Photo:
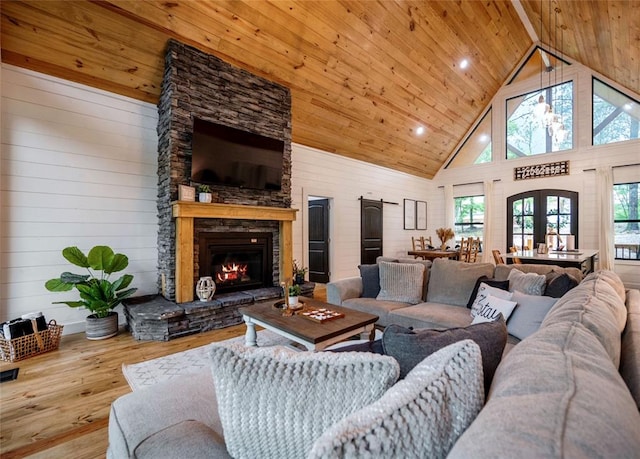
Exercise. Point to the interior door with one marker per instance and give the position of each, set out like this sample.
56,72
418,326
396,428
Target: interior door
370,231
319,240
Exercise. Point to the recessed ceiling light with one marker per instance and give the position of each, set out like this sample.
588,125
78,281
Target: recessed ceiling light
628,106
484,138
464,63
420,130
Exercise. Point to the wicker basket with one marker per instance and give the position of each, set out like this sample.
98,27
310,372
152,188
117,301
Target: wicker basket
30,345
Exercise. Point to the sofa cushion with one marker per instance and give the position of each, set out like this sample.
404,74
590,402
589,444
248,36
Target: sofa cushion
410,347
451,282
630,352
502,271
529,283
420,416
402,282
555,394
137,416
370,275
492,308
482,296
502,285
559,284
274,402
529,313
430,315
597,306
380,308
187,439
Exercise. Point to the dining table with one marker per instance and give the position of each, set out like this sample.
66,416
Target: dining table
430,254
583,259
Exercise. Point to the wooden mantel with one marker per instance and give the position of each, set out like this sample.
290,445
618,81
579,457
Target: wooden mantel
184,212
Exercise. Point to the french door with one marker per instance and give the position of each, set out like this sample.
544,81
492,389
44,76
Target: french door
530,215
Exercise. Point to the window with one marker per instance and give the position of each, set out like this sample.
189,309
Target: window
626,222
526,132
533,213
469,216
615,115
476,149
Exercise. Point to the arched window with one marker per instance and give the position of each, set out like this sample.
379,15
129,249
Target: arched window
530,215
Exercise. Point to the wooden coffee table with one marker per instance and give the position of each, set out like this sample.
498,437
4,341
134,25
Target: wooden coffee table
314,336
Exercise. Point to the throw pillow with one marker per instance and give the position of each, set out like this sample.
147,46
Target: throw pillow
502,285
370,275
484,291
559,284
529,314
492,308
421,416
275,402
451,282
401,282
410,347
529,283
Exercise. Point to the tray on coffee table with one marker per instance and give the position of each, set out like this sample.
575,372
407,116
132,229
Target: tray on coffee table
320,315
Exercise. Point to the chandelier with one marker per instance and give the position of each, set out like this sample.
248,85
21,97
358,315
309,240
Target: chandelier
543,111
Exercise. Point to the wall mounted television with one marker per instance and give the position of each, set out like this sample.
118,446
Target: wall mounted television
223,155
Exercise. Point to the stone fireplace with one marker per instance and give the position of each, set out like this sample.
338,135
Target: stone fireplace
197,85
247,227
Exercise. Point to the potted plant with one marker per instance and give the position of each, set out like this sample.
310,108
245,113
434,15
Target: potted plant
204,193
298,273
444,234
294,292
97,293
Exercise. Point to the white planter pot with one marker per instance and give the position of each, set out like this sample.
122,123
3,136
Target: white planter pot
205,197
293,301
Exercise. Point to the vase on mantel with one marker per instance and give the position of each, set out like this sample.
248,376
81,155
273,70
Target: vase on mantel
205,288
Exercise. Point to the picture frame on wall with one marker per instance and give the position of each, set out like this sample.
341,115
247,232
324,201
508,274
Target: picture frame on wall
409,214
421,215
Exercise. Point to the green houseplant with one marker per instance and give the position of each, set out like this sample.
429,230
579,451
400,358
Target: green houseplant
97,292
294,292
204,193
298,273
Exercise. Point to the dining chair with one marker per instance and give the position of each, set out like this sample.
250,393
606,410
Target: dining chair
497,257
465,247
417,243
474,249
515,259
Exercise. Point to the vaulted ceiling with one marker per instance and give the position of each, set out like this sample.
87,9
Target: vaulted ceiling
363,74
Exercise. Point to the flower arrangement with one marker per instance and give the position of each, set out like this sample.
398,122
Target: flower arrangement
444,234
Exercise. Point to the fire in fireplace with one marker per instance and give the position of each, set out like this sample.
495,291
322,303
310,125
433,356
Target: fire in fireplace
237,261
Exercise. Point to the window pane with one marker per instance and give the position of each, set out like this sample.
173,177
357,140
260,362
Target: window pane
469,216
615,115
565,205
626,210
477,148
530,131
552,205
528,206
517,207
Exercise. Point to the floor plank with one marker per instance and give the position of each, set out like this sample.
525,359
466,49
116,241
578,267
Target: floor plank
59,405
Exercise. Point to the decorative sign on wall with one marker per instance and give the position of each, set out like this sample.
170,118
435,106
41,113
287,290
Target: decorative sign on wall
541,170
409,214
421,215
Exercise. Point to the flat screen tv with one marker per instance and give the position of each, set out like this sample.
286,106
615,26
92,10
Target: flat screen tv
222,155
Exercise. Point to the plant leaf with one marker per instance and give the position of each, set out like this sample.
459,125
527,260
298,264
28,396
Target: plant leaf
100,257
71,278
75,256
123,282
118,263
57,285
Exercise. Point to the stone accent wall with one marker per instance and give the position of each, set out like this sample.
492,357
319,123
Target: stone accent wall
199,85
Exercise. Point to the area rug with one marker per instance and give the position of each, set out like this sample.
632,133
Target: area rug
150,372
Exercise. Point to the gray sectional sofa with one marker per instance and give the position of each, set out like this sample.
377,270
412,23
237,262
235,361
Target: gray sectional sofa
570,389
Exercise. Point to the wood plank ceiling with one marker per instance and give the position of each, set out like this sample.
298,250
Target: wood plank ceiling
363,74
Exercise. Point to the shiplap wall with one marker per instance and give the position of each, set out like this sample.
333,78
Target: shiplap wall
344,181
78,168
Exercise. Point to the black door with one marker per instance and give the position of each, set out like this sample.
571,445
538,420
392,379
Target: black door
319,241
370,231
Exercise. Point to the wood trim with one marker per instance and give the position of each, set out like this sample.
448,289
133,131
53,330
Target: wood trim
185,212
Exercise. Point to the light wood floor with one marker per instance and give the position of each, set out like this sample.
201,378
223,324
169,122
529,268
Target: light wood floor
59,405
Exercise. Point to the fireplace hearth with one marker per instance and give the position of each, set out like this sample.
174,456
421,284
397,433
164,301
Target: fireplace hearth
237,261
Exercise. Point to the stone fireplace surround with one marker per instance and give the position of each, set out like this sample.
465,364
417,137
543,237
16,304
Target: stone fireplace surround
200,85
